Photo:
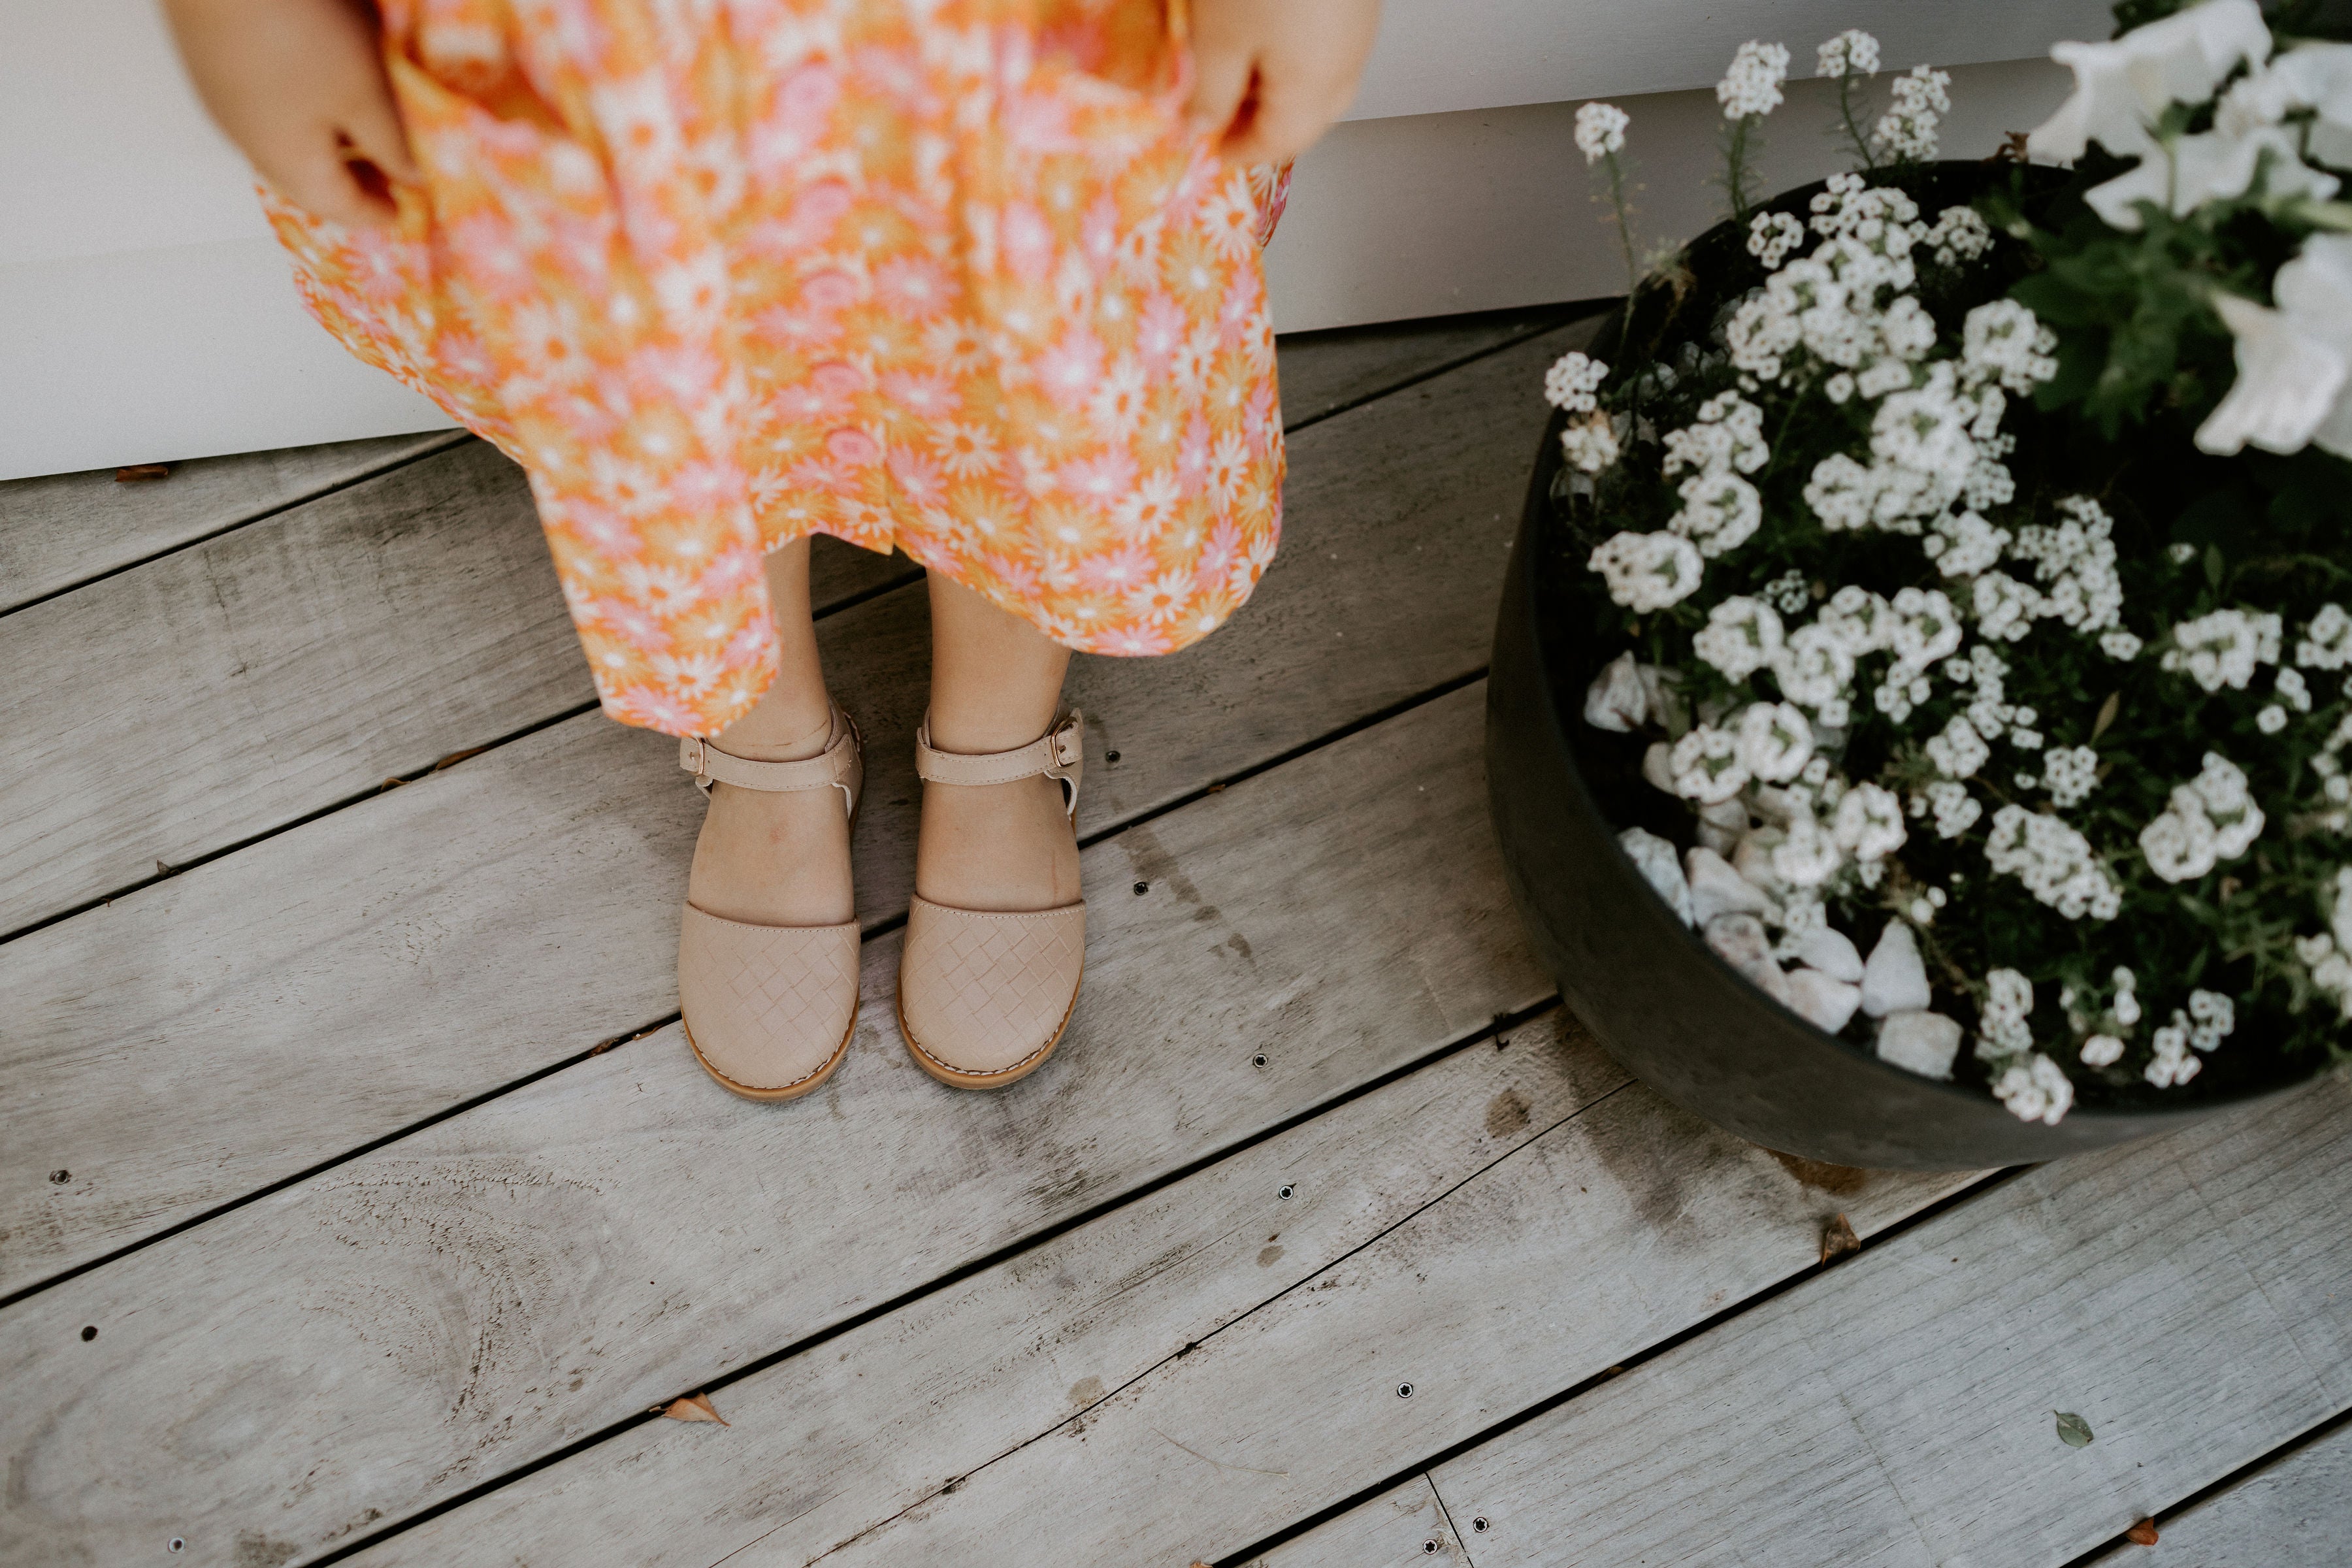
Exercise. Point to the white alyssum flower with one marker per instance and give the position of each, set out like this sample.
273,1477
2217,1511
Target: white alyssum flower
1572,381
1869,823
1719,512
2102,1051
1787,592
2035,1089
1860,621
2006,343
1958,750
2213,1018
1956,810
2126,1002
1648,572
1772,237
1924,627
2173,1065
1960,234
2271,720
2293,689
1729,435
2224,648
2071,773
1775,741
1704,765
2294,363
2339,919
2005,607
1752,85
1813,667
2076,563
2054,861
2326,642
1852,53
1964,545
1590,444
2211,818
1601,131
1909,130
2329,968
2001,1026
2121,645
1741,636
2123,87
1806,856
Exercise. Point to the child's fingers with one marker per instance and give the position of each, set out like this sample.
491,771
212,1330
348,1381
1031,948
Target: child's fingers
1220,80
376,134
318,180
1292,109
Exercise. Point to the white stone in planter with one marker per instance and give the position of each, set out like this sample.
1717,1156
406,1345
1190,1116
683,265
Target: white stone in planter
1718,889
1656,767
1741,939
1894,980
1722,826
1617,699
1833,952
1661,866
1822,1000
1753,859
1919,1042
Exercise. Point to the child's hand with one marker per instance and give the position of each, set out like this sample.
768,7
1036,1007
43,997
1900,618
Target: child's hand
1272,75
299,87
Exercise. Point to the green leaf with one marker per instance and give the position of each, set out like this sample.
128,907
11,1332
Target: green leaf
2072,1430
2213,567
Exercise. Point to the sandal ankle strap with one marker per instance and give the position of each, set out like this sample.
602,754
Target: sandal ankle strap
836,767
1060,754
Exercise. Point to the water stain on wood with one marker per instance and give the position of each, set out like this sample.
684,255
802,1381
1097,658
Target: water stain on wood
1829,1178
1507,1113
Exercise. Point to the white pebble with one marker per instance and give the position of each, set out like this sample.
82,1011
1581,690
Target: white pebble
1821,1000
1662,867
1656,767
1722,826
1716,889
1617,699
1834,954
1894,980
1919,1042
1741,941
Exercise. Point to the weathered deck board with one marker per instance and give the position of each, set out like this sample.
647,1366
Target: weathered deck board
1391,1530
1617,1229
286,667
68,528
2294,1512
338,1354
2191,1299
826,1445
1325,372
481,924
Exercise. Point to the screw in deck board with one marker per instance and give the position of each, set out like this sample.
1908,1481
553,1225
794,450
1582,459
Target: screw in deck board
1479,1524
88,1332
1405,1391
1142,889
60,1177
1258,1060
1285,1192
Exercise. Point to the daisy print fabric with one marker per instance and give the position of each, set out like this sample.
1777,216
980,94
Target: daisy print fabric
952,276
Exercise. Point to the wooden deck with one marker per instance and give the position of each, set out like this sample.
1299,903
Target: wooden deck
358,1201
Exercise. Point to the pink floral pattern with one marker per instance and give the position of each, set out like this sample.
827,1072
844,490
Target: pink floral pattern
955,278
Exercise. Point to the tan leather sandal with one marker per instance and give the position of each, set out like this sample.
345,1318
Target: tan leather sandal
769,1009
983,996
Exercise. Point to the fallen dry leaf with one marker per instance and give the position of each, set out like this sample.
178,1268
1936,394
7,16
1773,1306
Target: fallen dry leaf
695,1407
2142,1534
1838,1238
2107,712
131,473
454,758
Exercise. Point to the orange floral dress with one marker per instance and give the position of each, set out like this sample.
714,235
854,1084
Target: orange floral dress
952,276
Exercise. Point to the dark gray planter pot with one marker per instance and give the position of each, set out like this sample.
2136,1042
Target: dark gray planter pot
1679,1017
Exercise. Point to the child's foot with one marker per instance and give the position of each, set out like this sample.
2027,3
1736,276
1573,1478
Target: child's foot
775,858
1003,847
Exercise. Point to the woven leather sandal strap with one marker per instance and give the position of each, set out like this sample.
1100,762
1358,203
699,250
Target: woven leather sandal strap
1059,753
836,767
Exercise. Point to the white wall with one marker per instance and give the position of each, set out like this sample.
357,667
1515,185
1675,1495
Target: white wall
146,315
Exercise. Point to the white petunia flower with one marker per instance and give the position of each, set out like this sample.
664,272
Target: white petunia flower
1601,131
2184,175
2294,363
1572,381
1648,572
1852,53
2035,1089
1719,512
2123,87
1704,765
2326,643
1752,85
1869,823
2224,648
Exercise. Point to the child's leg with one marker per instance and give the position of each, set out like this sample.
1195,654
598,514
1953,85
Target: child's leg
996,683
768,858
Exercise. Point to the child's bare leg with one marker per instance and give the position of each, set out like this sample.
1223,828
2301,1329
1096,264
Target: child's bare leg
996,683
768,858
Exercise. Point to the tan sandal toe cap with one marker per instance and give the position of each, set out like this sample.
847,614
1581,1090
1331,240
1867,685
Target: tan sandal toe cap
984,995
768,1009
